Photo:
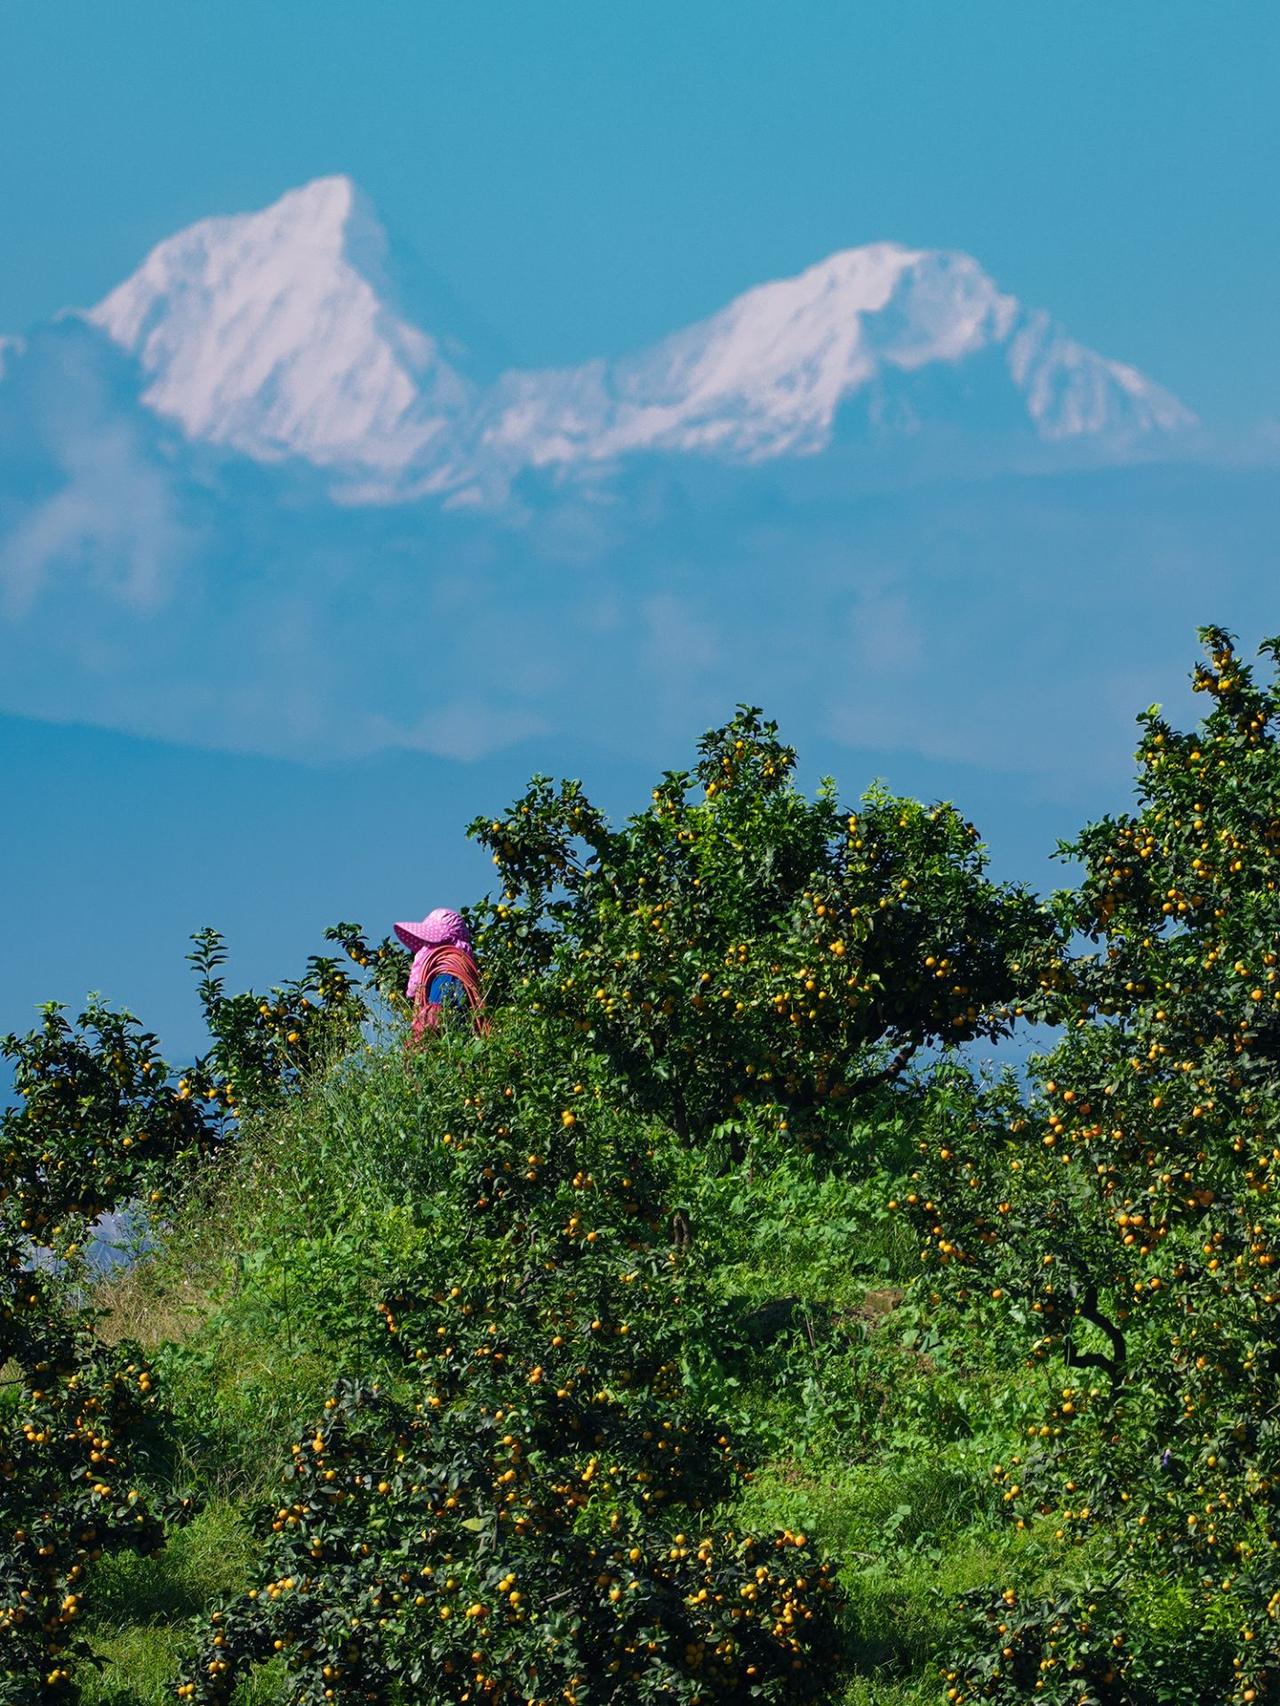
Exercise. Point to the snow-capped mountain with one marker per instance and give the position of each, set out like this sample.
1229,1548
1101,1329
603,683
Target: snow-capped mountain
280,335
770,374
274,494
276,333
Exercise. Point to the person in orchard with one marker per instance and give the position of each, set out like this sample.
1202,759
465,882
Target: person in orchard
444,977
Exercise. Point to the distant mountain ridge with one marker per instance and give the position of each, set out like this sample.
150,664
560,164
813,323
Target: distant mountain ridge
280,335
276,494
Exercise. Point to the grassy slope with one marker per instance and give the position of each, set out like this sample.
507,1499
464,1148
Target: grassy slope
872,1432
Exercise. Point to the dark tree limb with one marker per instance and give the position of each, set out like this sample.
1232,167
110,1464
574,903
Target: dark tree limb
1087,1308
896,1067
680,1113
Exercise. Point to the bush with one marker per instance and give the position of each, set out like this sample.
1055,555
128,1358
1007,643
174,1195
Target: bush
507,1516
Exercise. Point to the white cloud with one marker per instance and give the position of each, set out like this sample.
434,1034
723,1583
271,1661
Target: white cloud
114,517
464,728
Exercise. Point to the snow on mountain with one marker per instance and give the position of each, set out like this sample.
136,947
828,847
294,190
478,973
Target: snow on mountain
762,378
276,334
769,375
1071,392
272,333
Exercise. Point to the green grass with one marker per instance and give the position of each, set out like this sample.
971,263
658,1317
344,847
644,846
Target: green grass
142,1607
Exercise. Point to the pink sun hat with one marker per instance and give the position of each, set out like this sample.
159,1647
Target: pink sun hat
438,927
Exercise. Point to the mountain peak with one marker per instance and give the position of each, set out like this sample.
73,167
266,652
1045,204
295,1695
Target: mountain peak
327,200
328,217
890,339
276,333
282,333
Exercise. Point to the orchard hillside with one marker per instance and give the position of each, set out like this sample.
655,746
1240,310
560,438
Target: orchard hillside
712,1329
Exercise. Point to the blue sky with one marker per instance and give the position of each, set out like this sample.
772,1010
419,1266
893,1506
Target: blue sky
130,845
588,176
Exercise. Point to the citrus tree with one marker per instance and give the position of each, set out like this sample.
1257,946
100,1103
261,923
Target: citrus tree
739,942
102,1125
1127,1217
264,1046
96,1124
520,1509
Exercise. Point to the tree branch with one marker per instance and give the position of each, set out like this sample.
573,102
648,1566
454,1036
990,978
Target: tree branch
1113,1366
896,1067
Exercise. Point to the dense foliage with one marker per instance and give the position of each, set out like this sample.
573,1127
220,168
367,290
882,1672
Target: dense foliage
93,1129
101,1125
1127,1216
710,1331
504,1517
739,942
